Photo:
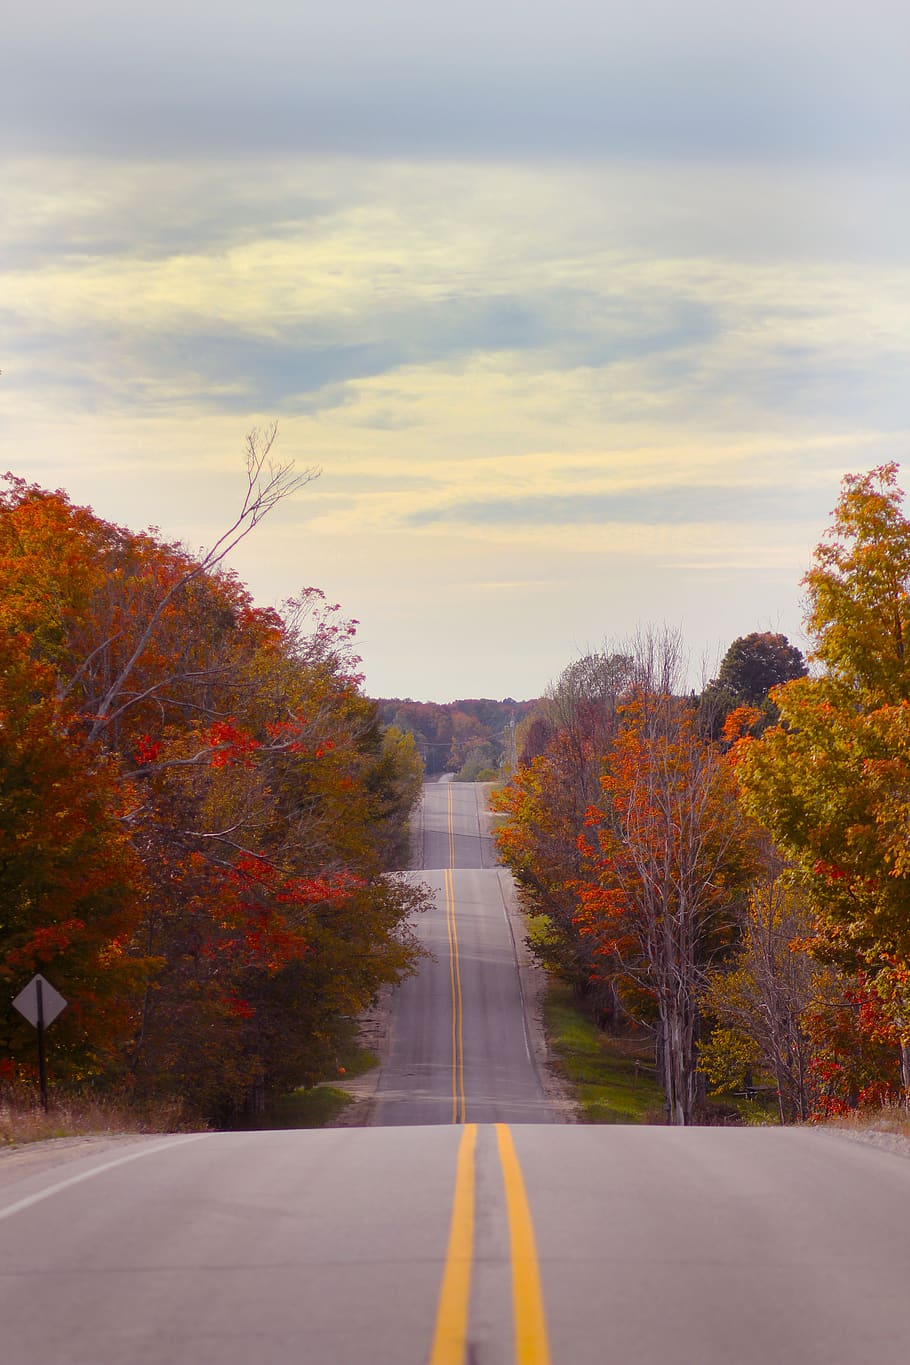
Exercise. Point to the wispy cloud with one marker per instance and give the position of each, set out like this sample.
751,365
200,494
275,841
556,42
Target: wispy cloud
674,505
313,317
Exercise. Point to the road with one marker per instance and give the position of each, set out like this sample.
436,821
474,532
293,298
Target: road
475,1238
654,1245
460,1042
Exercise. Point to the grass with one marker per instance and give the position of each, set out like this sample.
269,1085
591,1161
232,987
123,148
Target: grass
610,1077
892,1118
307,1108
613,1077
762,1112
355,1059
316,1105
23,1120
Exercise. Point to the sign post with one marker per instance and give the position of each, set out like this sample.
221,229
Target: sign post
40,1004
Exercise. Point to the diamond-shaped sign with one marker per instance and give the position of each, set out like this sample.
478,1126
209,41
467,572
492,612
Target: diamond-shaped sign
52,1002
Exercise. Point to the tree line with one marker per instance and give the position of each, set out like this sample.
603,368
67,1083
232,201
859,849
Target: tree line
729,869
200,812
473,738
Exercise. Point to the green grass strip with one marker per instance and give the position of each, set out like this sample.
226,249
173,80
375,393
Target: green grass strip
612,1078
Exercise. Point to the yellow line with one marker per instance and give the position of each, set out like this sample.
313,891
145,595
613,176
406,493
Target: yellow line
458,1096
450,930
462,1117
531,1346
451,1334
451,831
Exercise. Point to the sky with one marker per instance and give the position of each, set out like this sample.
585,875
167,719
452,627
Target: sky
582,310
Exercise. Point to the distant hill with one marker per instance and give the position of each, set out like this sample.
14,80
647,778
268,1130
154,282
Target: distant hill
466,737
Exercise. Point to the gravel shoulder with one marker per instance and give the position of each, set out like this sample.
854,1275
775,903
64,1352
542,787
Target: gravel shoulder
376,1035
20,1161
876,1134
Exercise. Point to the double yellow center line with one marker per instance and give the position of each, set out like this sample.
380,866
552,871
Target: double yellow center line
450,1340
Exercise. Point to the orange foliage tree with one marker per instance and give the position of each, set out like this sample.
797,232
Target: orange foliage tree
669,855
225,777
71,885
545,804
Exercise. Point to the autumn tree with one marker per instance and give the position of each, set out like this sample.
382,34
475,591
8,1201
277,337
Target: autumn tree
755,663
545,804
761,997
283,819
71,885
447,733
243,789
831,782
430,724
532,737
538,840
854,1053
669,854
395,780
473,757
582,707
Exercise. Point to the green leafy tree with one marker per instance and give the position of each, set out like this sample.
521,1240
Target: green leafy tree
395,779
755,663
752,666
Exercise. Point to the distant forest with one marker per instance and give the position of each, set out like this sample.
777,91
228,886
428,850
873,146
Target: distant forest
471,738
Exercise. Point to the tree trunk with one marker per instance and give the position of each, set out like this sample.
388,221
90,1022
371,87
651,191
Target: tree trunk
905,1069
679,1028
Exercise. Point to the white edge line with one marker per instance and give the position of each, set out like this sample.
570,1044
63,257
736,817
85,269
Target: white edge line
96,1170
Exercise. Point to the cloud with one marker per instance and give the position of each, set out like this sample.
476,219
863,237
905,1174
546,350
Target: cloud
674,505
623,389
582,331
403,79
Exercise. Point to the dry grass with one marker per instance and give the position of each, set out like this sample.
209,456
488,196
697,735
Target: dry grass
22,1118
892,1118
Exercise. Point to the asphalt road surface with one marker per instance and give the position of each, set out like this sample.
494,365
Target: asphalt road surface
383,1246
478,1238
460,1045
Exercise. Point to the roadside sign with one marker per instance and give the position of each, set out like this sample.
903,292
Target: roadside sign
40,1004
50,1004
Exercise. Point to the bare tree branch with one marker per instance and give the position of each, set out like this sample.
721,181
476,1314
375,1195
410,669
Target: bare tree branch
267,485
